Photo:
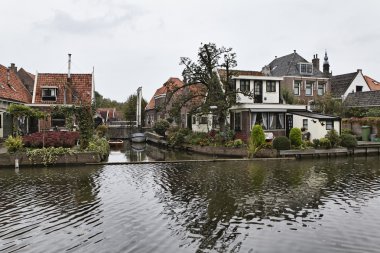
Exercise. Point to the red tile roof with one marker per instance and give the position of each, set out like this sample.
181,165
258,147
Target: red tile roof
80,91
372,83
169,85
16,91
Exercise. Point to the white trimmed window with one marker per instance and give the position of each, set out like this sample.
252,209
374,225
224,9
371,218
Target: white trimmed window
244,85
49,94
271,86
321,89
305,124
309,88
297,87
329,125
306,68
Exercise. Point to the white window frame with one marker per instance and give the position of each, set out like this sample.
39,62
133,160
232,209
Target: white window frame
329,125
245,81
306,126
312,88
308,66
272,86
51,89
299,87
323,88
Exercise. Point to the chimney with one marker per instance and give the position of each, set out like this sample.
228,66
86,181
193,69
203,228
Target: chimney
8,76
315,62
69,67
360,70
13,67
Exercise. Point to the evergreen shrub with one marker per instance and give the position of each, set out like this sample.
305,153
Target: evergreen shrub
348,141
161,126
316,143
333,137
325,143
295,137
281,143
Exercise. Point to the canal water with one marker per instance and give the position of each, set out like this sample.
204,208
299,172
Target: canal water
272,206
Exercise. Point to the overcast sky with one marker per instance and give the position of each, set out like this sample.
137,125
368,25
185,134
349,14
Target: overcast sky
139,43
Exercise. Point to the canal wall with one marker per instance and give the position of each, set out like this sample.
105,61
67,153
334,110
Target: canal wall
8,160
218,151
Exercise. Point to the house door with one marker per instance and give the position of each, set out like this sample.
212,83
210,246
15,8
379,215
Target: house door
258,92
289,124
189,121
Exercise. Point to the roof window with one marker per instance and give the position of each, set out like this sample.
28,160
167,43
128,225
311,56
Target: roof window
306,68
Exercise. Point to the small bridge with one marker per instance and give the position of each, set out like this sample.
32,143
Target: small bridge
122,129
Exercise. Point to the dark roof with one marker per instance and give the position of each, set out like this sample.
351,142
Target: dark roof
363,99
339,84
237,72
314,115
288,66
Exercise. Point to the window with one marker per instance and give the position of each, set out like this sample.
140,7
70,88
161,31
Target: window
297,87
305,123
203,120
359,88
244,85
0,121
276,120
237,122
306,68
193,119
329,125
321,89
309,88
268,120
271,86
49,94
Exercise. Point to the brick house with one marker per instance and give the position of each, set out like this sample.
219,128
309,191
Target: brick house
159,105
52,89
301,78
12,90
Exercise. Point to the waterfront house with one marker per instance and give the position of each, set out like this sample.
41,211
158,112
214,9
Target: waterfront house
342,85
265,107
108,114
299,77
61,89
12,90
167,96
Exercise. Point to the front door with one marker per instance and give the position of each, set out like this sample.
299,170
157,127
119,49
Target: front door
289,124
258,92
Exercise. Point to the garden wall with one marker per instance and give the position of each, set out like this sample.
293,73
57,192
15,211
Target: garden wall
219,151
8,160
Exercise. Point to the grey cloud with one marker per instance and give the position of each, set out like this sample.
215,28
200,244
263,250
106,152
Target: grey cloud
64,22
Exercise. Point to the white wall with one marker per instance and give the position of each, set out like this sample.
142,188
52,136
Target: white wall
2,125
271,97
358,81
268,97
316,130
197,127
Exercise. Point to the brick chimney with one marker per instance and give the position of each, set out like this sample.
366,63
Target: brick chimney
13,67
315,61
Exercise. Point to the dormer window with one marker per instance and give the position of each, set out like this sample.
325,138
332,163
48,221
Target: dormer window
306,68
49,94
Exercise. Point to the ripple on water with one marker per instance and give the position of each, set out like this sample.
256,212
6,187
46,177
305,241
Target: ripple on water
295,207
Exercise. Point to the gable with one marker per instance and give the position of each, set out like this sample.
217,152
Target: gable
15,91
78,90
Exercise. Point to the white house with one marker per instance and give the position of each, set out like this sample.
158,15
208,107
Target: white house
342,85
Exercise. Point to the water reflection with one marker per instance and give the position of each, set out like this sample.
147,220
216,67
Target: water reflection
212,206
273,206
137,152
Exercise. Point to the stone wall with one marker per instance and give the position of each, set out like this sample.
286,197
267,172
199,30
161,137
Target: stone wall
219,151
8,160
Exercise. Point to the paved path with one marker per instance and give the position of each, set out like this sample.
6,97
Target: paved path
2,149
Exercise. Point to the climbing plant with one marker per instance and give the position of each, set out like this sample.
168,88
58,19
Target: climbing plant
18,111
84,116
